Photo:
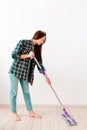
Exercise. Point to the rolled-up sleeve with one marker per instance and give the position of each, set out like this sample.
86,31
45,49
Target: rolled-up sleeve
42,68
16,53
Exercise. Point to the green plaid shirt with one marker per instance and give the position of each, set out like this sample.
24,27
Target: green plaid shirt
23,68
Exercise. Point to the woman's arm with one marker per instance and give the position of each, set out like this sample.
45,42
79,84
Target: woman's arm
30,55
17,52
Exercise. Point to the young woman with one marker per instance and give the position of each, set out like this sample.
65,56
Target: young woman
22,70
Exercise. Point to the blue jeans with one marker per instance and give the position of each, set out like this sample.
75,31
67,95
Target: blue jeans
14,89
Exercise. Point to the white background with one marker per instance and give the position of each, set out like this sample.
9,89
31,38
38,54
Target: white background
64,53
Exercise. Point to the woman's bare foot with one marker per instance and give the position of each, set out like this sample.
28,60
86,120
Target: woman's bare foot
16,117
32,114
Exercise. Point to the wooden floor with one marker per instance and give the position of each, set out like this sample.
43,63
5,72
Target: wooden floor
51,118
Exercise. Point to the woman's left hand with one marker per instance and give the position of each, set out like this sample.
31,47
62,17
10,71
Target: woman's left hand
48,81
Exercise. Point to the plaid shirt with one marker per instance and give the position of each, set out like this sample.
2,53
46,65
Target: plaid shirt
23,68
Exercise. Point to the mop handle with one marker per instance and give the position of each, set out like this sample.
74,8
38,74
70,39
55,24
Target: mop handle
56,96
45,75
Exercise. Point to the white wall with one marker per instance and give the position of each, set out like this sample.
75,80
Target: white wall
64,54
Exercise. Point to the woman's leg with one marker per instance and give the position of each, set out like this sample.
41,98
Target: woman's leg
13,95
27,98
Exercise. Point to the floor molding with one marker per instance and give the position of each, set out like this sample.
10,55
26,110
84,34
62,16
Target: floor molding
47,105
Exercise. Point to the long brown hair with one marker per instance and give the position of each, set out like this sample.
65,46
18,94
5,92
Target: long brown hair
38,48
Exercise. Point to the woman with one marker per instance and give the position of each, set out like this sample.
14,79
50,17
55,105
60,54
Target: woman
22,70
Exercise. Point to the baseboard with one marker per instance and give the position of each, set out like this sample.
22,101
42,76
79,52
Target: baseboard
47,105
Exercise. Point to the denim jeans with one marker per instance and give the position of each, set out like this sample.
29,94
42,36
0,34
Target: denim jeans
14,90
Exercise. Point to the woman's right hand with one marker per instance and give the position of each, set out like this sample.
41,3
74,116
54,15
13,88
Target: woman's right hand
31,54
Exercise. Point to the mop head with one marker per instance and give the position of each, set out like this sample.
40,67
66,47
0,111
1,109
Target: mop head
70,121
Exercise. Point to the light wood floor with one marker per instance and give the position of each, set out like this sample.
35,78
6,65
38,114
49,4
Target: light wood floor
51,118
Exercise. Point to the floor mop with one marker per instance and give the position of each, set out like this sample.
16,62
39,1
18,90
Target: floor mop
66,116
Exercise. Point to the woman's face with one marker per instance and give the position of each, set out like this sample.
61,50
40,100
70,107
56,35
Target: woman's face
41,40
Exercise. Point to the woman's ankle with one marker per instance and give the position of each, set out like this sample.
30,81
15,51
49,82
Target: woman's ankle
33,114
16,116
30,111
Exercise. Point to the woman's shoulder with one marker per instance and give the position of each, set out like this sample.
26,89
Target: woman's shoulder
25,42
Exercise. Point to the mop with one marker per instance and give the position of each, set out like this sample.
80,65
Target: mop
66,116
